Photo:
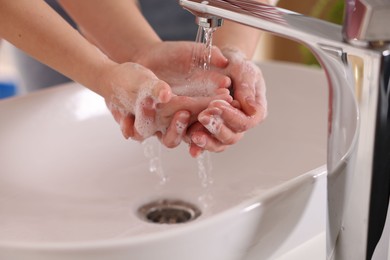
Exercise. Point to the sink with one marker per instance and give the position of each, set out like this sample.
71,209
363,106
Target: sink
72,188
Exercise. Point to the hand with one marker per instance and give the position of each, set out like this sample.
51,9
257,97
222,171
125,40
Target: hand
223,124
144,105
132,94
172,62
181,112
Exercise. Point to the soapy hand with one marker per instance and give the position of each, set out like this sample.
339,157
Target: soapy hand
193,88
181,112
132,93
144,106
173,62
222,123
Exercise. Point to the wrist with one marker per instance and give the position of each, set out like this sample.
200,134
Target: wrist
141,53
98,82
233,52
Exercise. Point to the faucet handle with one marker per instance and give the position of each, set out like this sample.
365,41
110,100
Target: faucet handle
367,21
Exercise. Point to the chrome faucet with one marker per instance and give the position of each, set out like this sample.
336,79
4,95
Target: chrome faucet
356,60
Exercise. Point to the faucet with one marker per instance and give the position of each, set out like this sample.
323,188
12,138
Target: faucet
356,61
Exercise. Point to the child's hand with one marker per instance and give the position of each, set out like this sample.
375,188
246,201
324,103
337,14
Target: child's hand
132,94
223,124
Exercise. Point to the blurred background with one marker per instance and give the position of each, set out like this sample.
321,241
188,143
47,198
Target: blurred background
280,49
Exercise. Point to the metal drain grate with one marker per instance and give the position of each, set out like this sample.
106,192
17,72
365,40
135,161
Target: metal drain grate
169,212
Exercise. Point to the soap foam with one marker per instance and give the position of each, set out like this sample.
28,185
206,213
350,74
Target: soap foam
180,127
215,124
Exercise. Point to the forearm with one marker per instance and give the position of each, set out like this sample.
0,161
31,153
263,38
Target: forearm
36,29
239,36
235,35
116,27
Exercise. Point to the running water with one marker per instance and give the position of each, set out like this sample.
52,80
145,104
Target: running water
201,59
204,169
204,174
201,56
152,151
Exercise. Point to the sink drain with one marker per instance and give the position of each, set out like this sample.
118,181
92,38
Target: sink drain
169,212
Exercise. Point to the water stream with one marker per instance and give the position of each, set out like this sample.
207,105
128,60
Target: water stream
201,59
201,56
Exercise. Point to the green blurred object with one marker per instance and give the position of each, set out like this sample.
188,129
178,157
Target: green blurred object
328,10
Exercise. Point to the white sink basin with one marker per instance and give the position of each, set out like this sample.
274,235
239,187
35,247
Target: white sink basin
71,186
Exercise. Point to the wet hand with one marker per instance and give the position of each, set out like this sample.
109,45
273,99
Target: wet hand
194,87
181,112
144,105
132,94
223,124
173,61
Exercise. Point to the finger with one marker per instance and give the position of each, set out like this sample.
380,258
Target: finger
201,140
176,129
207,142
209,79
246,96
224,135
194,105
222,91
232,117
116,114
217,58
161,92
222,80
126,124
195,150
251,93
146,108
128,129
213,121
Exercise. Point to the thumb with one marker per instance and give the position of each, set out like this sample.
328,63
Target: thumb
162,92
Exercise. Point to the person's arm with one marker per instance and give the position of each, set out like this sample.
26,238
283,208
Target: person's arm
241,37
36,29
116,27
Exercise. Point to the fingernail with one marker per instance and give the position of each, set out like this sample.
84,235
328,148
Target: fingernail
184,116
199,140
204,119
252,105
220,102
180,127
213,124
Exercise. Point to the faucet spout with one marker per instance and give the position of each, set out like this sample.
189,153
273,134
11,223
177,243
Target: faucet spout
356,61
